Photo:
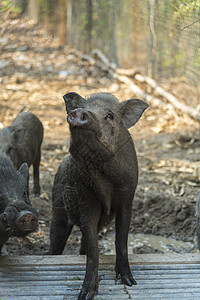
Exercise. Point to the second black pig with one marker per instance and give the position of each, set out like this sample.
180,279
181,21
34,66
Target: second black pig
21,142
17,216
97,181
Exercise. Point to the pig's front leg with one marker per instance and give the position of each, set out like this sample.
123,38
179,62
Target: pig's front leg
36,166
89,224
122,224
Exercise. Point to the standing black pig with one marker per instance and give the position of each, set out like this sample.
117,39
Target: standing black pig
21,142
17,216
97,181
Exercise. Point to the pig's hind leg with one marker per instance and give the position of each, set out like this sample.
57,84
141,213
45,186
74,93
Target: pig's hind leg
59,231
122,223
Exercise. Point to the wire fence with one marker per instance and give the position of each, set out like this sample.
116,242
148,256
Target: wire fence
146,35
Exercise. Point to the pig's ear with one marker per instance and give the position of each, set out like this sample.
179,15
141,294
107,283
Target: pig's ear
18,135
24,171
72,101
131,111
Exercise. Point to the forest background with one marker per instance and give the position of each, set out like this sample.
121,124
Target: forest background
149,35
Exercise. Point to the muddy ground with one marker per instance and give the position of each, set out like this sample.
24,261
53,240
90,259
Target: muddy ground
35,72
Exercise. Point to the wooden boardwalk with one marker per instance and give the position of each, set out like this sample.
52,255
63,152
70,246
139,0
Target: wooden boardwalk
60,277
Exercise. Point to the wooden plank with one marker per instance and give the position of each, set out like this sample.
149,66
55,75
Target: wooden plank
180,296
155,283
105,268
136,259
68,297
35,298
67,276
53,277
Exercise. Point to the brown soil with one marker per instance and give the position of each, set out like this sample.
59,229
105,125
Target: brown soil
35,72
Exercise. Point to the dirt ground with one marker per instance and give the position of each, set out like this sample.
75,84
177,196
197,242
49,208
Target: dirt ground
35,72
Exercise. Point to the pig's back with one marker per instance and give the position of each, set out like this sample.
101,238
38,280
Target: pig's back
33,135
31,123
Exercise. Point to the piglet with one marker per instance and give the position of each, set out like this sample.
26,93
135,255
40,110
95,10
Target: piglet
17,216
97,181
21,142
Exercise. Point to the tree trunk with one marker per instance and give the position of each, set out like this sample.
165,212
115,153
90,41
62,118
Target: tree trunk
113,45
88,43
62,15
153,48
136,30
69,22
34,10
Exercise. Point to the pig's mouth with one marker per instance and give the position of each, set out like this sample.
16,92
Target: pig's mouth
84,128
27,221
84,132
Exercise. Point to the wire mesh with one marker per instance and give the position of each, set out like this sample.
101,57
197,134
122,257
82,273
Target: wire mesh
122,30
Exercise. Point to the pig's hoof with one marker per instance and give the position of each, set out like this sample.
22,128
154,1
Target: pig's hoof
128,280
86,295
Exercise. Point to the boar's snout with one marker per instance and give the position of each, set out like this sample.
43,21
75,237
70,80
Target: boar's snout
77,117
27,221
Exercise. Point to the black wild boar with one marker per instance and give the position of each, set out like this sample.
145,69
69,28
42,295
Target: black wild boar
17,216
97,181
21,142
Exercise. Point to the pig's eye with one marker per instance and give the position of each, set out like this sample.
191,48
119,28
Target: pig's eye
109,115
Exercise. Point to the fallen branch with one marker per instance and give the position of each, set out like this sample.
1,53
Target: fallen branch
136,90
123,76
193,113
127,72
